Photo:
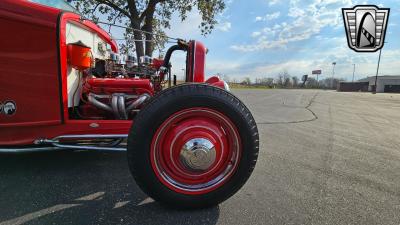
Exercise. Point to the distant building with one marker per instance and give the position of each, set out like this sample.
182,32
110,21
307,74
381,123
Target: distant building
384,84
353,86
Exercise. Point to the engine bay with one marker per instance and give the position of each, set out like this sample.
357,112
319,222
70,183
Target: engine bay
103,84
117,87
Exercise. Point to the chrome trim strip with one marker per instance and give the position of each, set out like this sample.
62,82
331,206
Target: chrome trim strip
57,142
28,149
58,145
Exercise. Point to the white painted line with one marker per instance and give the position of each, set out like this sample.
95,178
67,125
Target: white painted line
144,202
91,196
35,215
120,204
43,212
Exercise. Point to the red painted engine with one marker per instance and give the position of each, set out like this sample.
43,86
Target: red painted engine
117,88
110,86
112,90
113,98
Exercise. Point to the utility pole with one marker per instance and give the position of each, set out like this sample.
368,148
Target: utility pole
354,70
333,74
377,71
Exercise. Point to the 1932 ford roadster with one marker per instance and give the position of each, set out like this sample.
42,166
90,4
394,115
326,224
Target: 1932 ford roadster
62,86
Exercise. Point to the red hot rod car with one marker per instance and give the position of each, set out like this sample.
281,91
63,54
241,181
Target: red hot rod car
63,86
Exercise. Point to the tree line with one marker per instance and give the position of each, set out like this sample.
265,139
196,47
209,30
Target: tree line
285,80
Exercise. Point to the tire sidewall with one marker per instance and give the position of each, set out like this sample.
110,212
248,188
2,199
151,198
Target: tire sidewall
162,107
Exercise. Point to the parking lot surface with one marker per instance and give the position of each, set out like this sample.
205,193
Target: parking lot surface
325,158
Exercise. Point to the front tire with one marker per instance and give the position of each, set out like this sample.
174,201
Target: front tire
193,146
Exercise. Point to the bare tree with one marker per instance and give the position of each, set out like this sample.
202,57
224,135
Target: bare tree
286,82
246,81
312,83
327,83
284,79
280,80
269,82
295,81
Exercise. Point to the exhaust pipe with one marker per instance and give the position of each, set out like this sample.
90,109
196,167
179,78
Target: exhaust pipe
138,102
118,103
114,106
92,99
121,107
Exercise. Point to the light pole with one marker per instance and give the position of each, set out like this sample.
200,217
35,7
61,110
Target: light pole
377,71
354,70
333,73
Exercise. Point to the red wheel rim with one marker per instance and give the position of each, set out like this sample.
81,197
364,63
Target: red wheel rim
195,151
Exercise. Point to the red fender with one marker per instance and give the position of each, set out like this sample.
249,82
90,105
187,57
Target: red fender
218,82
196,61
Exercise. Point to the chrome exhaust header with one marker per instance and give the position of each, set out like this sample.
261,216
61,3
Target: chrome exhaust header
96,142
87,142
118,103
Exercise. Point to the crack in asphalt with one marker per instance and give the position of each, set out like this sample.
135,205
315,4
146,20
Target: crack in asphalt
315,117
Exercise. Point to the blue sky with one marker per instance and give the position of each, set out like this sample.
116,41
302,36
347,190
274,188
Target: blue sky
261,38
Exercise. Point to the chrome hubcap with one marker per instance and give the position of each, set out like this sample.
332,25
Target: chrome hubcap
195,151
198,154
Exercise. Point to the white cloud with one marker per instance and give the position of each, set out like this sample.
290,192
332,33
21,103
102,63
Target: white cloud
339,52
187,29
237,69
224,26
273,2
256,34
302,22
272,16
365,66
268,17
296,12
305,20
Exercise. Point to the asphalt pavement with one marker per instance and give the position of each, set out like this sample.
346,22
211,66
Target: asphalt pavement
325,158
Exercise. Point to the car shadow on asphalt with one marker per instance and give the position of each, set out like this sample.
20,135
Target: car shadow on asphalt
81,188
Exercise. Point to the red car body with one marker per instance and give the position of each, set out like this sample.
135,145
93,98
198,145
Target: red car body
62,86
33,72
